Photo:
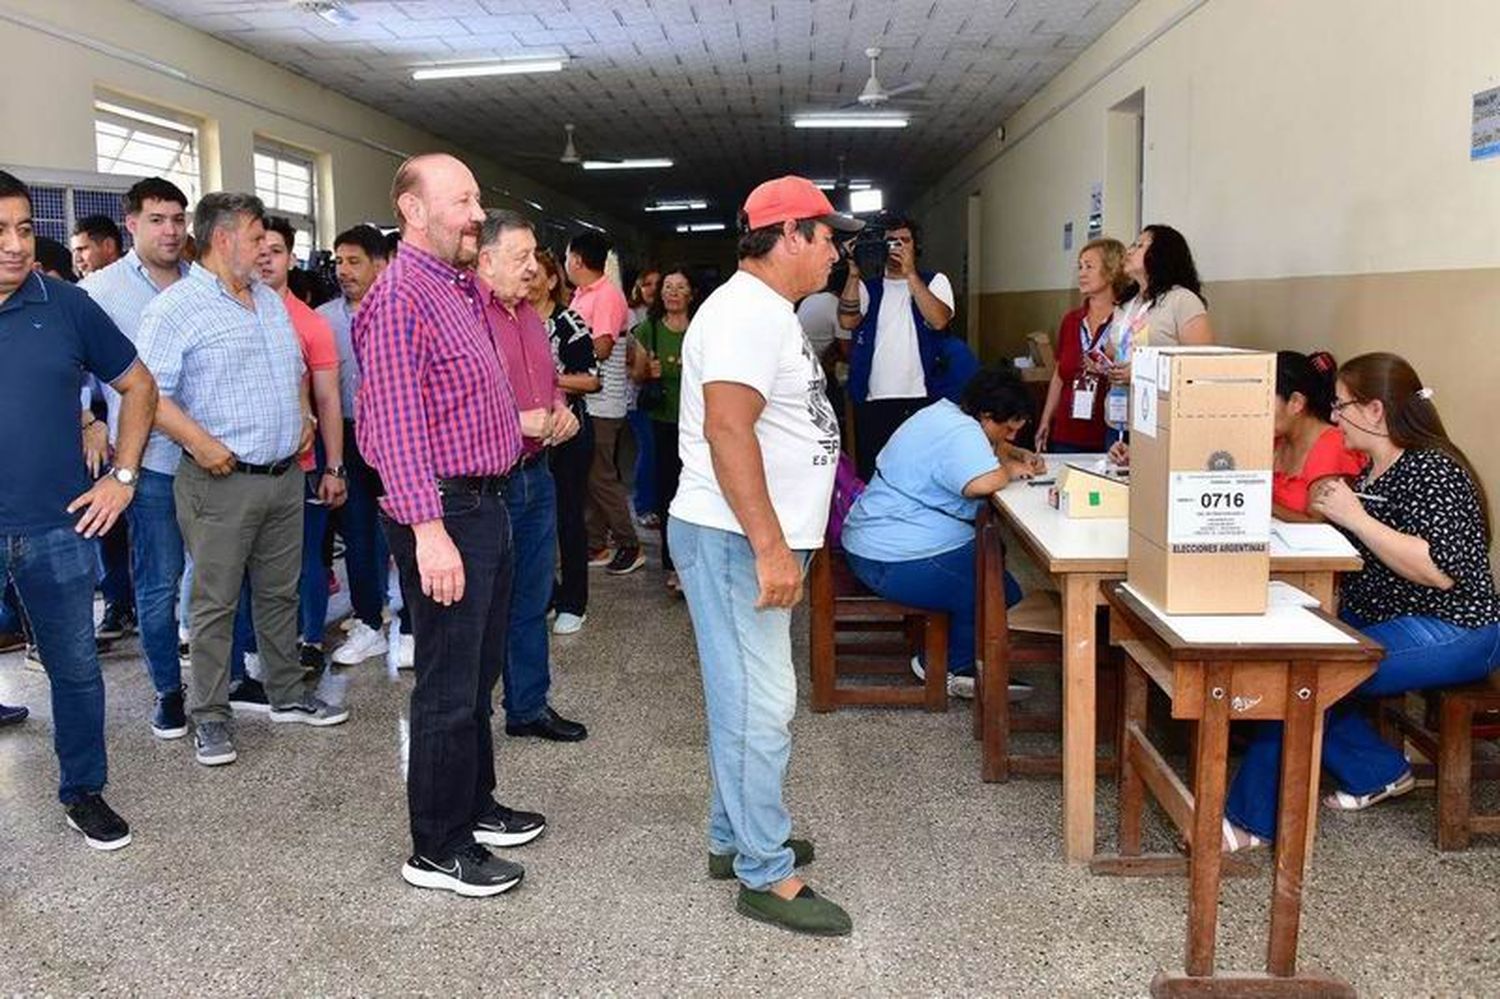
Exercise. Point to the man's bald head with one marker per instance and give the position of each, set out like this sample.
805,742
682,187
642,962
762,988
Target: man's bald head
436,201
409,179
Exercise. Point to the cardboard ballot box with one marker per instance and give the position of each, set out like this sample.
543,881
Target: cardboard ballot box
1080,493
1200,471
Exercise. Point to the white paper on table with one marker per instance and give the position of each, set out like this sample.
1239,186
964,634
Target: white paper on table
1280,625
1286,595
1308,539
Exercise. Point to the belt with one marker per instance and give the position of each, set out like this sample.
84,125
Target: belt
532,460
472,485
274,468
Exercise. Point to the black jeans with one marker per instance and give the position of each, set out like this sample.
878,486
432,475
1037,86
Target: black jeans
460,655
668,472
874,422
570,475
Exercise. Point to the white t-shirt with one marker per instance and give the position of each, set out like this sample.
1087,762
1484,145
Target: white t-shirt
896,368
748,334
819,315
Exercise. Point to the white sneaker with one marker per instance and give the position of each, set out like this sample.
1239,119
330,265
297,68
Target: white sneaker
252,666
338,606
568,624
406,652
963,686
364,642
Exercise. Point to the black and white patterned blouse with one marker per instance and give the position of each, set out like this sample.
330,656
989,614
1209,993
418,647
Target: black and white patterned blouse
1427,494
572,350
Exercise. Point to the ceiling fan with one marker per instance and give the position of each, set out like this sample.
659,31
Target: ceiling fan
875,95
571,157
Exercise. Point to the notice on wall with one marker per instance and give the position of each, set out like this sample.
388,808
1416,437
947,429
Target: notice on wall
1219,511
1144,375
1067,235
1096,210
1484,143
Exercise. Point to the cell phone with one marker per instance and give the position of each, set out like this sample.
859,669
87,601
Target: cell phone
1099,358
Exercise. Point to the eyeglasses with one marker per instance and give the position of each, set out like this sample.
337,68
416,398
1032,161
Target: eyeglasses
1338,406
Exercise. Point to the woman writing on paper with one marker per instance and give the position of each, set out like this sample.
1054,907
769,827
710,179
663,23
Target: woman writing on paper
1073,417
1309,448
1419,518
910,535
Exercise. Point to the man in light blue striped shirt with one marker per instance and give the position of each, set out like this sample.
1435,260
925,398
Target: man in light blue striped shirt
156,218
235,399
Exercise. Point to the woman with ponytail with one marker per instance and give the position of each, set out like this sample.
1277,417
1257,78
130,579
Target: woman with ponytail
1309,448
1419,517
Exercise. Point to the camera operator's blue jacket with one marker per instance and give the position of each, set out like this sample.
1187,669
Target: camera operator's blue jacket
947,362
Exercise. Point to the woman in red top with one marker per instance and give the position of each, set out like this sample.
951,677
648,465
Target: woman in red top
1308,446
1073,416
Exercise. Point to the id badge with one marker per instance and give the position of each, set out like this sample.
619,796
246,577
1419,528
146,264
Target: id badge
1116,405
1084,390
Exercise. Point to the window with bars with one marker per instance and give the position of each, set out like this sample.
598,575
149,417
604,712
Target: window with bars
286,181
140,142
59,198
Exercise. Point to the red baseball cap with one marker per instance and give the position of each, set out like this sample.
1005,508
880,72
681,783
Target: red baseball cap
794,198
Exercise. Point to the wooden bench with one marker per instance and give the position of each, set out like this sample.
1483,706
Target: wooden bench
1445,735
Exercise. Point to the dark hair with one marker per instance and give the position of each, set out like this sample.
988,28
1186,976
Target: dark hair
1312,376
657,309
756,243
997,393
99,227
11,187
908,223
366,237
1411,419
153,189
283,228
497,221
392,244
548,262
220,210
54,257
592,248
304,285
1169,264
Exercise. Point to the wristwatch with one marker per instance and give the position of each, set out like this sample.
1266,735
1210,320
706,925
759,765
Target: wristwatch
124,476
337,471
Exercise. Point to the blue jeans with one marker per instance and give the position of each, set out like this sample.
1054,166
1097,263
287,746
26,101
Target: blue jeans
54,573
114,567
1420,652
645,497
10,608
156,560
750,692
943,582
358,521
312,590
531,502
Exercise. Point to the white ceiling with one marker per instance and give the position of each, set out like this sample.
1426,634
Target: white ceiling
709,83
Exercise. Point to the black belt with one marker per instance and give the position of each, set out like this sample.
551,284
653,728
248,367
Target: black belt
274,468
472,485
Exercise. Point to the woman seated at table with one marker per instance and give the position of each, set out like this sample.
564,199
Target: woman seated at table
910,535
1309,448
1073,418
1420,520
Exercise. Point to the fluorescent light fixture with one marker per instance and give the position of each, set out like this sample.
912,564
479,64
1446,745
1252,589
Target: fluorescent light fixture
872,200
338,16
646,164
701,227
677,206
850,121
505,67
590,225
854,185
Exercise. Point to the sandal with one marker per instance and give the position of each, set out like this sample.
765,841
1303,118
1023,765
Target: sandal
1237,839
1343,801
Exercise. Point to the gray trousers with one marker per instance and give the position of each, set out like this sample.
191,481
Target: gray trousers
232,525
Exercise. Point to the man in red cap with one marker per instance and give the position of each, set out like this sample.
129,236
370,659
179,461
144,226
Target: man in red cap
759,444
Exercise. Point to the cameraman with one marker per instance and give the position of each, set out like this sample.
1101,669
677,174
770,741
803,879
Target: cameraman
897,321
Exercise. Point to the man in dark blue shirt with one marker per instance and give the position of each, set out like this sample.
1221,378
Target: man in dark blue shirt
51,336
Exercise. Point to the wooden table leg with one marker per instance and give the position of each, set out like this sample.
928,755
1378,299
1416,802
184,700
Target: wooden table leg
1132,790
1079,598
1210,767
1299,767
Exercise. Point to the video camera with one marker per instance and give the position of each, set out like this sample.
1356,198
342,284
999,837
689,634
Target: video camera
872,247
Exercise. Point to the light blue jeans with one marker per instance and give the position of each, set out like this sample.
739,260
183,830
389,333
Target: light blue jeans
750,691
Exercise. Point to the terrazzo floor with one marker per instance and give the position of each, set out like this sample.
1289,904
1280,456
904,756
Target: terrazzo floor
279,875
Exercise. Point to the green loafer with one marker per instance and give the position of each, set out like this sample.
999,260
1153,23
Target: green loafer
721,865
808,912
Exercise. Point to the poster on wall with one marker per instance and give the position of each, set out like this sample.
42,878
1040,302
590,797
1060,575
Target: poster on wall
1096,210
1484,143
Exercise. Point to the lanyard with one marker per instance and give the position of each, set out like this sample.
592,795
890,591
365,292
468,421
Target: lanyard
1083,333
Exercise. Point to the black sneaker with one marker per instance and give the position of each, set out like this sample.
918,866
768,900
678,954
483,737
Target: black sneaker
502,826
473,872
12,641
249,695
169,721
12,714
312,659
626,560
184,654
117,623
102,829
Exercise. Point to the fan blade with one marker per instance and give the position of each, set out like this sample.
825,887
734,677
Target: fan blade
905,88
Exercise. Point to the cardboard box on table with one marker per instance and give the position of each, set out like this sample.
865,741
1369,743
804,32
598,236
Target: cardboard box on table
1202,428
1086,495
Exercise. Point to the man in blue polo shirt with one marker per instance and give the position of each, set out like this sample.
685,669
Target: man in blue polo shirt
51,336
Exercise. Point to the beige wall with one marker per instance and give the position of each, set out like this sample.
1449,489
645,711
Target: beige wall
1314,152
51,78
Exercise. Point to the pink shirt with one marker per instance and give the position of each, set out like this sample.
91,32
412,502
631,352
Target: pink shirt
603,307
319,352
526,354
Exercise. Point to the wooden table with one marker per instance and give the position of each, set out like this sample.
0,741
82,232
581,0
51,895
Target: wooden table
1081,556
1237,676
